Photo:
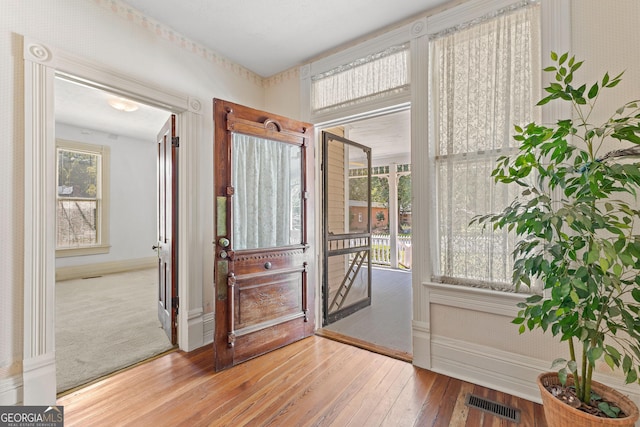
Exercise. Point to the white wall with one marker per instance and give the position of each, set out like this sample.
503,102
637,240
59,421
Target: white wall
282,94
132,198
105,32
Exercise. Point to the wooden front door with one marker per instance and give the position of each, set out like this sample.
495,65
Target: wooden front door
264,265
167,228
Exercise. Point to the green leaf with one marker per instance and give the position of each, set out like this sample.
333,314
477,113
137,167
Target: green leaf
594,354
558,363
574,297
562,376
632,376
609,361
610,411
554,56
534,299
593,92
613,352
563,58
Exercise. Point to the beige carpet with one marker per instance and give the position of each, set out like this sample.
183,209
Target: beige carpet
104,324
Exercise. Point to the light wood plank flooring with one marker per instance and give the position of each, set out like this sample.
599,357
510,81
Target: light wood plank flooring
314,382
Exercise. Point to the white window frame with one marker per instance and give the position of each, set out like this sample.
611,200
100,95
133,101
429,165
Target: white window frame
102,216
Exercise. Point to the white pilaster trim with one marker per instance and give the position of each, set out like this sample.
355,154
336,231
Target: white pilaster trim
421,171
39,381
190,335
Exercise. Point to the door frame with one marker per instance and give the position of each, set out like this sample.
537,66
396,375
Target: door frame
319,128
41,63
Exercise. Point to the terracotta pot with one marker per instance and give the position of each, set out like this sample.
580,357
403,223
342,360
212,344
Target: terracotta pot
559,414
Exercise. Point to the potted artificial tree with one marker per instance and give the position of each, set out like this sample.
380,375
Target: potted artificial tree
578,234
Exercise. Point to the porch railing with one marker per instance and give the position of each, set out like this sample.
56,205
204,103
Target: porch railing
381,250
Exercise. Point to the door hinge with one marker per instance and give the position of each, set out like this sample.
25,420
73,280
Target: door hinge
175,141
175,303
305,195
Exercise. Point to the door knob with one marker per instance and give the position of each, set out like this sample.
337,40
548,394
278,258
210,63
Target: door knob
154,247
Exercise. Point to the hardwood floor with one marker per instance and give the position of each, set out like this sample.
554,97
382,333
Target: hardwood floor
314,382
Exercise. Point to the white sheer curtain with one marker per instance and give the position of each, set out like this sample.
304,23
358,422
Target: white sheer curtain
361,80
484,81
266,177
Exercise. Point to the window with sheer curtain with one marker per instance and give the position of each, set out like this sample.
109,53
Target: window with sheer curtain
483,82
364,79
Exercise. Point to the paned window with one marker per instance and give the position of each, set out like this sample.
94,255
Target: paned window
484,80
81,208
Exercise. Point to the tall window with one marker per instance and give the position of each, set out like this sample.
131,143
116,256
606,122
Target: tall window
483,82
82,199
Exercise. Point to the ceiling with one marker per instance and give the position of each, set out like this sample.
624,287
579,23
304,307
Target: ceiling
251,33
88,108
270,36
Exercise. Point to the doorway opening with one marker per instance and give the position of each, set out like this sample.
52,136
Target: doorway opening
106,270
384,325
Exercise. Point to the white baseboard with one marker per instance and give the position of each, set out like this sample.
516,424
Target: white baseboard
11,390
421,347
195,330
503,371
486,366
39,380
98,269
209,323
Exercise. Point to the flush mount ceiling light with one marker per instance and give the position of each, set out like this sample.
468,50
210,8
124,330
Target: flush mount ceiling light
123,104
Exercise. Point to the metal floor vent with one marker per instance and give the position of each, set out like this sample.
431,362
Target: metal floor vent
495,408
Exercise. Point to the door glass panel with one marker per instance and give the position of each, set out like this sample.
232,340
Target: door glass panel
267,203
347,188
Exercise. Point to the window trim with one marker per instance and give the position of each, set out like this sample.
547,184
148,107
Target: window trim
103,246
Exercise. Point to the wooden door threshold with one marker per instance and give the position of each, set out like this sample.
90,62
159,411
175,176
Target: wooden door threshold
385,351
